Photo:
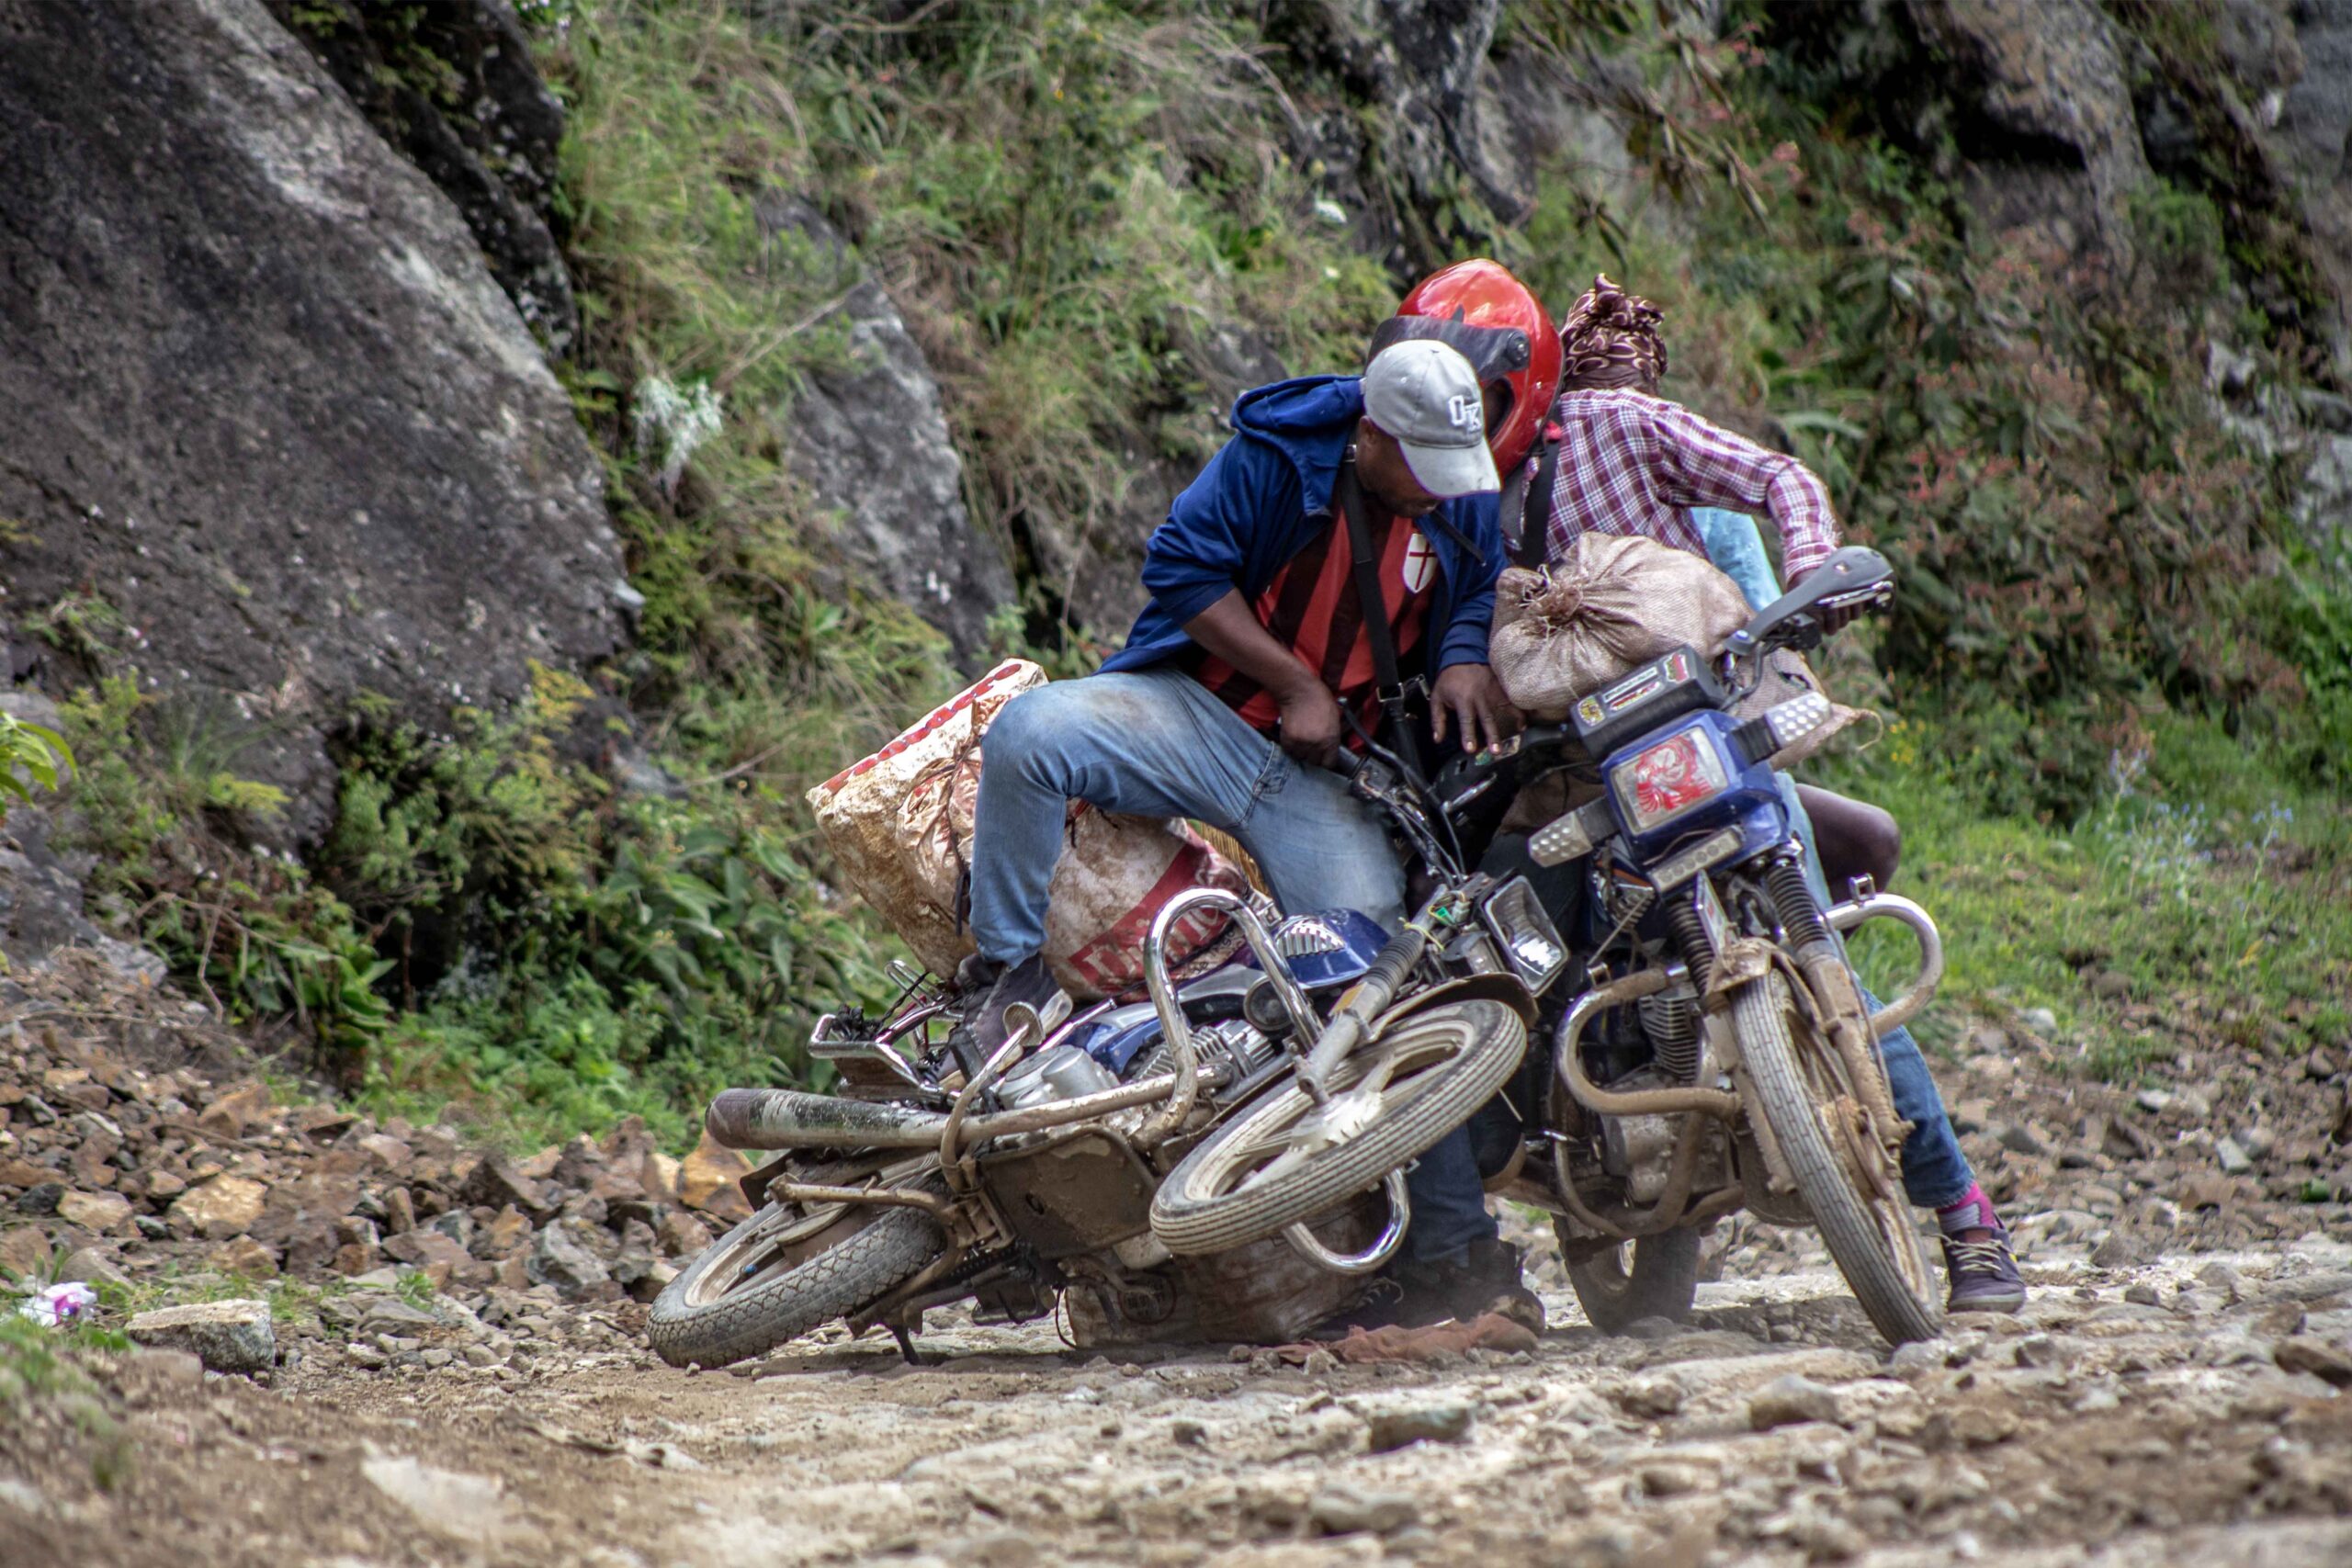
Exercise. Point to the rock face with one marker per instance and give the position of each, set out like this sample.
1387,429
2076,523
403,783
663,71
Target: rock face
870,441
2051,127
453,87
1421,60
266,400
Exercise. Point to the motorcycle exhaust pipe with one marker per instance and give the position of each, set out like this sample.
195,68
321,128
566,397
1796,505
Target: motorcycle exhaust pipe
787,1119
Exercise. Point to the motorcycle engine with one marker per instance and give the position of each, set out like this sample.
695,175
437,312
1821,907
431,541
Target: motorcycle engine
1234,1044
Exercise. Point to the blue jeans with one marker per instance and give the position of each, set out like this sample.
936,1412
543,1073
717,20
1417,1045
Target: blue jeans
1157,743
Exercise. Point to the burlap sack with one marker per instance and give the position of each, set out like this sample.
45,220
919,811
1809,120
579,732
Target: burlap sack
1617,601
899,825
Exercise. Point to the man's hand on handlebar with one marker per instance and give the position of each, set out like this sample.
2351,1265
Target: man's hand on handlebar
1481,714
1310,723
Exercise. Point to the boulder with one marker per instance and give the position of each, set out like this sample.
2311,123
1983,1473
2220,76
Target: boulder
2047,115
98,1212
870,441
228,1337
707,1180
487,134
564,1259
266,401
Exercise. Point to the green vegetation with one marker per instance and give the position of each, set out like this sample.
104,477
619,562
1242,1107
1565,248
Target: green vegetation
2117,660
2203,900
31,756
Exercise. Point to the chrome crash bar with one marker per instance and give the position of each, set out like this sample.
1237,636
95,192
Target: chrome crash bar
1384,1246
1868,904
1171,1011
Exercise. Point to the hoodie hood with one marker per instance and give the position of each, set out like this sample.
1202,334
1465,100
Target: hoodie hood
1306,419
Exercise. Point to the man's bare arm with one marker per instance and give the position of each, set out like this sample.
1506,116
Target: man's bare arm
1310,717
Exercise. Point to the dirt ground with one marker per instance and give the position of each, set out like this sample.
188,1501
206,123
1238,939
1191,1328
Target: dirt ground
2184,1411
2173,1393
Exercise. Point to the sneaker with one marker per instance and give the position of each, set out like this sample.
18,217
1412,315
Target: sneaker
984,1028
1984,1275
1484,1278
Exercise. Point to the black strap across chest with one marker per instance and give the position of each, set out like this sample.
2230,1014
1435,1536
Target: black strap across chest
1535,510
1364,564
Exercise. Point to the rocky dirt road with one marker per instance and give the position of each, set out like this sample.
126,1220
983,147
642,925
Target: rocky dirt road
2182,1411
2173,1394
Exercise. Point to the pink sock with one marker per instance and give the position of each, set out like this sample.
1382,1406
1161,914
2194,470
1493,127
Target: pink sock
1972,1211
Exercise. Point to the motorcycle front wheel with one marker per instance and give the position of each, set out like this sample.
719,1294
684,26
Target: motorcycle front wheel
1800,1089
783,1272
1285,1159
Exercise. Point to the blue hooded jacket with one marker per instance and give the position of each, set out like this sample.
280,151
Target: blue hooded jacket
1267,495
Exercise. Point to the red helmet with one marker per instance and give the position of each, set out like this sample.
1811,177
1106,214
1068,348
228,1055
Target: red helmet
1505,333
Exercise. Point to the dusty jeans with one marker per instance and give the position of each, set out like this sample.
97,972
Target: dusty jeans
1157,742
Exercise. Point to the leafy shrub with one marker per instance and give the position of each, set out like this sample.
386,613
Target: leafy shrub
32,756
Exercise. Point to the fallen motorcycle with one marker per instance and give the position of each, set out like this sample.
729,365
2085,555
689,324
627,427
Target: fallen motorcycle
1160,1168
1040,1180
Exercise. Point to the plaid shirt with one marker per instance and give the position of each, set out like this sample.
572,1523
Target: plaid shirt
1634,464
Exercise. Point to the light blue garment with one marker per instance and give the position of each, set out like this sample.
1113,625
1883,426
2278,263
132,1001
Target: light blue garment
1736,546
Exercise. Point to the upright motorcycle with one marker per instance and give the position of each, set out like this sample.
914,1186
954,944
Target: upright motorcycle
1714,1051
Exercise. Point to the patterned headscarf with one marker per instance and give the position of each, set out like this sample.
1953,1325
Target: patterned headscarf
1611,339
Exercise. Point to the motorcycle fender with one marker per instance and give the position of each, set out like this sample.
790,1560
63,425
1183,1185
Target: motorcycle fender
1507,989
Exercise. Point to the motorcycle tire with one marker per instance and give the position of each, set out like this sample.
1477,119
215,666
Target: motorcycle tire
1439,1067
1876,1246
1662,1279
707,1319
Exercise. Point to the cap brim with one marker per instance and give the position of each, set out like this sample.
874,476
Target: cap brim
1449,471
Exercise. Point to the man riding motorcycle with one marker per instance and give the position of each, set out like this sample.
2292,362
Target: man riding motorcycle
1246,672
1617,458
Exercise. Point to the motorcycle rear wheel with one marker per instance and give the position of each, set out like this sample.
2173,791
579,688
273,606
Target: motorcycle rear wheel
1284,1159
1873,1240
1652,1276
808,1267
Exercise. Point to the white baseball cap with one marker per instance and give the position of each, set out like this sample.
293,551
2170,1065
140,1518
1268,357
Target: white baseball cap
1425,394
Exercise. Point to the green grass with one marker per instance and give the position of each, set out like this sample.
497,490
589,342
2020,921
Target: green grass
2217,893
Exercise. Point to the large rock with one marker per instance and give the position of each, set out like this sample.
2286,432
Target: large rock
870,441
487,134
265,399
710,1180
2047,115
228,1337
221,1208
1394,173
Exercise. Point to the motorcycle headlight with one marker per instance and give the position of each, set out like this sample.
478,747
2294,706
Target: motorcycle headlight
1667,778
